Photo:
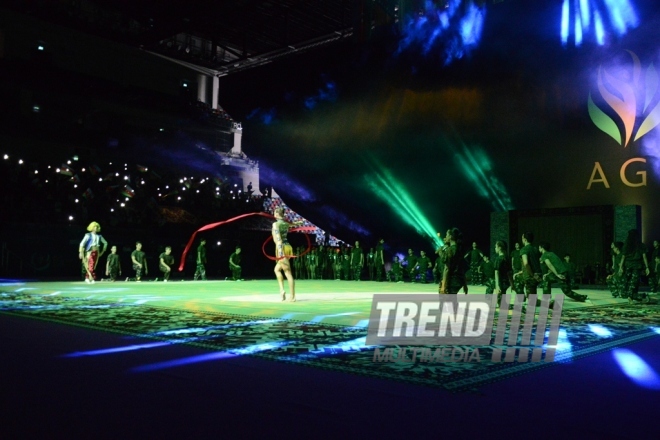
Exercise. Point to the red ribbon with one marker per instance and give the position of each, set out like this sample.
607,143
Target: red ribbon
215,225
309,244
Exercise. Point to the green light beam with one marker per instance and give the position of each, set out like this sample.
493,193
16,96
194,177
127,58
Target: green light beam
386,187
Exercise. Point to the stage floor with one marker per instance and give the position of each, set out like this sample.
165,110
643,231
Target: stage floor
325,328
334,302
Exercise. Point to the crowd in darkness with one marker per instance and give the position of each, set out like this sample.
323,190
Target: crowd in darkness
71,192
214,115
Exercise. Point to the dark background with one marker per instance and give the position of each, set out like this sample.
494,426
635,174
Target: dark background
512,107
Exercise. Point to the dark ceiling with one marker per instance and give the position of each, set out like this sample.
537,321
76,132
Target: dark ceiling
218,35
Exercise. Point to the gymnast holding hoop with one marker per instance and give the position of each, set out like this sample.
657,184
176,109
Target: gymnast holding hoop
283,252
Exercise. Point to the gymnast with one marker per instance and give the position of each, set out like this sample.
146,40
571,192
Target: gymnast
283,252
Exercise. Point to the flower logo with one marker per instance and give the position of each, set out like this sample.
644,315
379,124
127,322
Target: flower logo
631,100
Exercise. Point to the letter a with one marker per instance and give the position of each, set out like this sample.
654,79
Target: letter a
598,169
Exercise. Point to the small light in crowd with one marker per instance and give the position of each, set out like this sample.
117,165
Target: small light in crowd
180,180
167,187
197,191
159,195
76,200
40,47
122,205
178,198
162,129
48,166
110,163
233,197
46,181
75,157
116,174
75,186
36,108
69,162
127,199
20,161
83,170
70,217
36,171
57,170
112,209
125,177
5,157
183,188
125,164
231,192
217,188
100,179
235,184
219,243
239,191
143,182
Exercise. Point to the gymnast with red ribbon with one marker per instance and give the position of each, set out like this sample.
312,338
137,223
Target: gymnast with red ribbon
283,250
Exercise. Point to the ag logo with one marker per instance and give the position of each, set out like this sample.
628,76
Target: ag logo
633,101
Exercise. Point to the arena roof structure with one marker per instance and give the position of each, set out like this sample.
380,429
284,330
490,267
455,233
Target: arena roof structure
222,36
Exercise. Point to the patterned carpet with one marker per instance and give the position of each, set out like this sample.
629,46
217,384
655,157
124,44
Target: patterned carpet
585,331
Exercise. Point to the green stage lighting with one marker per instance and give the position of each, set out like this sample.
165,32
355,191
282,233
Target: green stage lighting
389,189
478,169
